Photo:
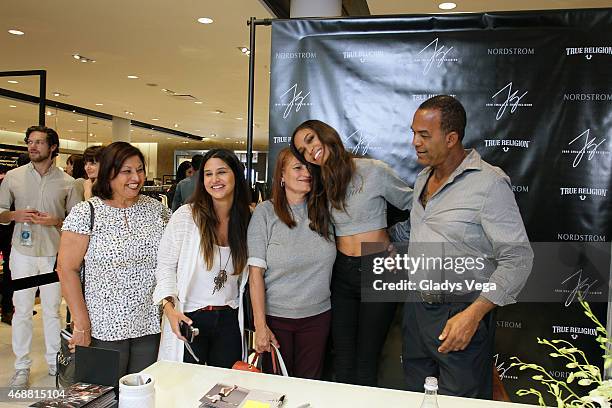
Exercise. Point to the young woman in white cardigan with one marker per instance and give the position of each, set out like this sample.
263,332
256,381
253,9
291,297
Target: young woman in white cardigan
201,258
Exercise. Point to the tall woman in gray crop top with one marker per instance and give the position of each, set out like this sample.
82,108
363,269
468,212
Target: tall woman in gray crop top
356,191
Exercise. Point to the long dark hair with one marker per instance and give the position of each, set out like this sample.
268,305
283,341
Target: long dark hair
111,159
207,221
335,180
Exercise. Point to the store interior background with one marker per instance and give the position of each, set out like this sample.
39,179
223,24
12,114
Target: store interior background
192,78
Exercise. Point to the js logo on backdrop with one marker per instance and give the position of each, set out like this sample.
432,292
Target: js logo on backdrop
502,368
359,143
435,54
588,52
583,192
293,99
586,146
508,100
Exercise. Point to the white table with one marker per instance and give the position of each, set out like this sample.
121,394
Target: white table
182,385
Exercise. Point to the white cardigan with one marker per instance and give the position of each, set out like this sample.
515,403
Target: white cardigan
176,262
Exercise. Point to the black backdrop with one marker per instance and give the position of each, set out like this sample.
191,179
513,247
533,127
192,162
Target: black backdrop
537,87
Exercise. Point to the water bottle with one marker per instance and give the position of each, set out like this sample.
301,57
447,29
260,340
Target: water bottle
26,233
430,400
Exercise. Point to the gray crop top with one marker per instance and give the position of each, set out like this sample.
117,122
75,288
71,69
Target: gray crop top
366,208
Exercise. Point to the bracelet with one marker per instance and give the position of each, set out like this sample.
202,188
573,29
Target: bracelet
74,329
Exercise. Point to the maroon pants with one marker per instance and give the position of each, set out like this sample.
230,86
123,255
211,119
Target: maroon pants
302,343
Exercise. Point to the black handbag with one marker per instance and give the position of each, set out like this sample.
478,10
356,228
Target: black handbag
65,361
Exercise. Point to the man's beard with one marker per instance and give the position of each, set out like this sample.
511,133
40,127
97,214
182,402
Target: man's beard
39,158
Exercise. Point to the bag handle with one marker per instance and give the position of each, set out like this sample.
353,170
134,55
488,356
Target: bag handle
91,227
276,355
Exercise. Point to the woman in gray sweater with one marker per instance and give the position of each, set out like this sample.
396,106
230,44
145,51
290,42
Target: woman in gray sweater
355,192
290,268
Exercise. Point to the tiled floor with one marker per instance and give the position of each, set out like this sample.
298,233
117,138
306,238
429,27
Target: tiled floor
39,376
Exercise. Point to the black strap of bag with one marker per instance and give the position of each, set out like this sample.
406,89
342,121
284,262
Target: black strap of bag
82,273
65,361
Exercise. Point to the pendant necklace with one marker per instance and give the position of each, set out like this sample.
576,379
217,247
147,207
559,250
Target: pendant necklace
221,277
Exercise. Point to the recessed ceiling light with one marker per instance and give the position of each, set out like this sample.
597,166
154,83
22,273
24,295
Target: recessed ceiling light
176,125
132,76
70,130
205,20
213,135
91,134
49,113
82,58
11,120
185,142
129,113
239,118
16,32
131,130
228,138
12,106
10,81
76,56
447,6
155,119
56,94
199,102
80,120
219,112
169,138
244,50
99,104
197,130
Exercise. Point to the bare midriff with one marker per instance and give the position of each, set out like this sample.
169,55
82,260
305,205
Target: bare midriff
351,244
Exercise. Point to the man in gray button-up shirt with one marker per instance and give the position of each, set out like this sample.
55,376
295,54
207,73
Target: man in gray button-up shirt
42,194
463,207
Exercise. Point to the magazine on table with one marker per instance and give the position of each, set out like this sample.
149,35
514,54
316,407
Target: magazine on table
232,396
81,395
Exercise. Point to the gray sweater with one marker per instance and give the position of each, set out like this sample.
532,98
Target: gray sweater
297,261
373,184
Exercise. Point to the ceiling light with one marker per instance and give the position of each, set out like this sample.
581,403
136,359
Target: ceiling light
205,20
219,112
80,120
11,120
198,102
99,104
239,118
12,106
82,58
70,130
228,138
16,32
131,130
132,76
10,81
197,130
155,119
91,134
176,125
129,113
169,138
49,113
185,142
447,6
213,135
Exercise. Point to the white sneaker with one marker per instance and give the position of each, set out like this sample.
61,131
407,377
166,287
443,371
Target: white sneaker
52,370
21,379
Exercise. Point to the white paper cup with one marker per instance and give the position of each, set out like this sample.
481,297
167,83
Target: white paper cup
137,391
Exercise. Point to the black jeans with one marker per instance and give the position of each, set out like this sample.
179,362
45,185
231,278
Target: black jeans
219,343
134,354
359,329
466,373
